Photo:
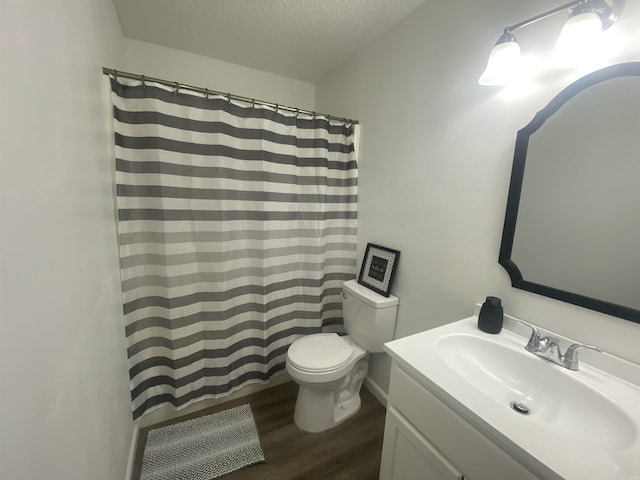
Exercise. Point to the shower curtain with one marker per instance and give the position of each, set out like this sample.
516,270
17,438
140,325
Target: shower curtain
236,227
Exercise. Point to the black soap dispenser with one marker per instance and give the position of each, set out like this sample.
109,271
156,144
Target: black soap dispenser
490,318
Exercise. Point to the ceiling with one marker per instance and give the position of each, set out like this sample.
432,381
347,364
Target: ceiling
301,39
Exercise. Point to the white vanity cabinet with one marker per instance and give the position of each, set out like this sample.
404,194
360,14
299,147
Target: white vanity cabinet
451,409
424,439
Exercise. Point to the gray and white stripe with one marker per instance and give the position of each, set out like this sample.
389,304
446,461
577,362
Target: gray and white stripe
236,231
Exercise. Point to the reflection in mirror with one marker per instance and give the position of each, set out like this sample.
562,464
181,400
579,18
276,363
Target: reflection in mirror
572,228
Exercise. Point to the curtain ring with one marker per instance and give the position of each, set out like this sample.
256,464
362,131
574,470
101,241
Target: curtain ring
177,87
115,74
144,85
297,113
277,107
206,94
229,98
253,103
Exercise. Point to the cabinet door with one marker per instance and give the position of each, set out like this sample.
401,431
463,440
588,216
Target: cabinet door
407,455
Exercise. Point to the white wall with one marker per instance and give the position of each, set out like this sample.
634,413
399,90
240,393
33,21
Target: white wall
65,404
176,65
436,161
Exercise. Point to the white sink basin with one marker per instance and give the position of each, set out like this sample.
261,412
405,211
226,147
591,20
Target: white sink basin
556,401
581,424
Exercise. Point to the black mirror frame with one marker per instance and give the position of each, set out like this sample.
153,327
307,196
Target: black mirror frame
515,188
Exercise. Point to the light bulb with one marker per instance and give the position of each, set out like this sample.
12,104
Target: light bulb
579,38
503,66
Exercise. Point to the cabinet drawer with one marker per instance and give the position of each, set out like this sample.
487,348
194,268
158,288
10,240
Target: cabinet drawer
464,446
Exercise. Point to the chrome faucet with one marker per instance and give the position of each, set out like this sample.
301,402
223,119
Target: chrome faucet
548,347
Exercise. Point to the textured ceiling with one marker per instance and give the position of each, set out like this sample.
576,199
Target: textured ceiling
302,39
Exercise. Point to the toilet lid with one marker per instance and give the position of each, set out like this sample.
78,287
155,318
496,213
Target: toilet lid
320,352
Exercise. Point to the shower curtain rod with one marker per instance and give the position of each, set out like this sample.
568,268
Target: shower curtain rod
181,86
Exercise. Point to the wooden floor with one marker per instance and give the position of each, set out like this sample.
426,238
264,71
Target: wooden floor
349,451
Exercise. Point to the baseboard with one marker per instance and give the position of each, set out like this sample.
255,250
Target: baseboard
377,392
132,451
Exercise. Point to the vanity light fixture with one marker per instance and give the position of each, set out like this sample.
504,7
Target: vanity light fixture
587,20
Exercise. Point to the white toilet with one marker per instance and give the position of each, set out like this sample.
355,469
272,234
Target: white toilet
330,369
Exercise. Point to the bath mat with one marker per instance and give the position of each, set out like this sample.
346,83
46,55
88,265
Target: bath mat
203,448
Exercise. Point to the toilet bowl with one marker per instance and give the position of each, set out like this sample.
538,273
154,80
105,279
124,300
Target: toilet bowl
330,369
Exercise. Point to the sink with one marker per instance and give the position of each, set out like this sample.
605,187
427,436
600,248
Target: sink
554,399
564,424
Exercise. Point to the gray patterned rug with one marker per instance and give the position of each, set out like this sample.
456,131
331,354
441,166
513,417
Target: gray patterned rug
203,448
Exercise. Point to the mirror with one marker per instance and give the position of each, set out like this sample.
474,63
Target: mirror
572,224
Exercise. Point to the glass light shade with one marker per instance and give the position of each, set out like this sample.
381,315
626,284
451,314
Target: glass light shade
503,65
579,38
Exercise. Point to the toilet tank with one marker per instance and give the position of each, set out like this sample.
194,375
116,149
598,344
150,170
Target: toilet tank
369,318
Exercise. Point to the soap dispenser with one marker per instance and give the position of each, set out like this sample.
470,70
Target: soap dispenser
490,318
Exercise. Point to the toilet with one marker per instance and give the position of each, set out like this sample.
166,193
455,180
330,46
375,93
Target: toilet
330,369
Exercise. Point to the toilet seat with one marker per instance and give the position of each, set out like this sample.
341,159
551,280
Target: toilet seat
320,352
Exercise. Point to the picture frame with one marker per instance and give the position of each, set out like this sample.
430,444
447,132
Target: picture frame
378,268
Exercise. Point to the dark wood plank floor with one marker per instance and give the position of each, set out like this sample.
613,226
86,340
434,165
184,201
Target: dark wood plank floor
350,451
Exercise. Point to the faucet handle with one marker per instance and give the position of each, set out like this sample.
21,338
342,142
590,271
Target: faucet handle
534,340
570,359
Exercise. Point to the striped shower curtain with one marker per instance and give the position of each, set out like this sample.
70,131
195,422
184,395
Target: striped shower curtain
236,231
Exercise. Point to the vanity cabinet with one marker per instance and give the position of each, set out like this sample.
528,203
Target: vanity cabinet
424,439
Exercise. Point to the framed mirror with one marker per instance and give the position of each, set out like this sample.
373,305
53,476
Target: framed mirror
572,223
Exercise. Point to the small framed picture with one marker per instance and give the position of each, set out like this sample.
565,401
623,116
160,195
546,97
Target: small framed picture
378,268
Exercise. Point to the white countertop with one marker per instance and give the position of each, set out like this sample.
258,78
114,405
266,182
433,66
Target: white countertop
551,450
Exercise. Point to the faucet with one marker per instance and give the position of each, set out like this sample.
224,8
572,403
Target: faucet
548,347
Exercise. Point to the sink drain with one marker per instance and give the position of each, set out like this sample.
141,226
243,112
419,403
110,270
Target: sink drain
520,407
